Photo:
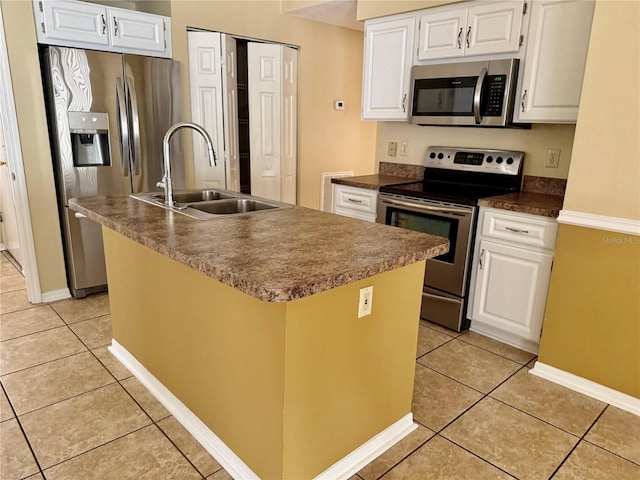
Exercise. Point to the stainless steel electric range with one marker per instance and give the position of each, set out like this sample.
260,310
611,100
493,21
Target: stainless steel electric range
445,203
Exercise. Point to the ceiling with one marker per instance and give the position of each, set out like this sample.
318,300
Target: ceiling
335,12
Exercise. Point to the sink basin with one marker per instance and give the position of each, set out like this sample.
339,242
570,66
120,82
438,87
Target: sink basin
207,204
236,205
196,196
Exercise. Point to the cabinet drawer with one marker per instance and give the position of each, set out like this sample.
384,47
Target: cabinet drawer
519,229
358,200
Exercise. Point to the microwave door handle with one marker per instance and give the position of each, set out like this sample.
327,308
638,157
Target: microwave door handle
478,95
425,207
123,126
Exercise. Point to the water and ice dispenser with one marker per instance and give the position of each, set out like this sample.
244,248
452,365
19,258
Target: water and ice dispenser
90,139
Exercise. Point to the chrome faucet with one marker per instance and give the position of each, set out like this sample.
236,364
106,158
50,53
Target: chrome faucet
167,182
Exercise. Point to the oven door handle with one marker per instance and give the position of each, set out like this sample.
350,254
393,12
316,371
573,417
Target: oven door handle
426,207
477,96
438,297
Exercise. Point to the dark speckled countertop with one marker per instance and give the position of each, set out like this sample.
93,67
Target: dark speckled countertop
275,256
539,196
371,182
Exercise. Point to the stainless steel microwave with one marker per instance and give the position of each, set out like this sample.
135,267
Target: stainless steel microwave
479,94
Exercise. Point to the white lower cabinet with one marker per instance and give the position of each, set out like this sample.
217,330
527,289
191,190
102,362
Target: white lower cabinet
359,203
510,276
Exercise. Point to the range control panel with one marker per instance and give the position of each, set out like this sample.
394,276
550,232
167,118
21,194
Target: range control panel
504,162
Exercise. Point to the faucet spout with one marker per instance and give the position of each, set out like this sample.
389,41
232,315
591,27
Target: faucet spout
167,180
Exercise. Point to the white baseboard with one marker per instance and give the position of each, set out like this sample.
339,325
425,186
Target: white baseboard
504,337
373,448
343,469
587,387
209,440
54,295
600,222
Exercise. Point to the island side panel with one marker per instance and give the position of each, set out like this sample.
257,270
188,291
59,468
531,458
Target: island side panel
221,352
348,378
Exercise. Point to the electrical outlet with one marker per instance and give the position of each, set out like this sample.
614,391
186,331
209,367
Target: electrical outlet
553,157
393,149
366,299
404,149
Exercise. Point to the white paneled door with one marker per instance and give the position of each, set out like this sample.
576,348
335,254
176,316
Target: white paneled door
213,107
272,120
8,221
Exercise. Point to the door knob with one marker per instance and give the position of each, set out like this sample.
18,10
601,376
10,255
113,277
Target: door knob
2,163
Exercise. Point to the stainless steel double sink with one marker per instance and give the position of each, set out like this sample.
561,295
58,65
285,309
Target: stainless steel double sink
211,203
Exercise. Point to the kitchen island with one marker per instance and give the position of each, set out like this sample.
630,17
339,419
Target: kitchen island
246,328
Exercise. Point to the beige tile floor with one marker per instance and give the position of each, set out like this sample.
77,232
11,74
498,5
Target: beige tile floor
70,411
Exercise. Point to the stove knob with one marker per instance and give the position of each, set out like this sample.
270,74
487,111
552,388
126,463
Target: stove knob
440,156
509,161
499,160
489,159
432,155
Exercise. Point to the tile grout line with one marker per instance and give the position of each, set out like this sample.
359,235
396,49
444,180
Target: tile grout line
24,434
580,439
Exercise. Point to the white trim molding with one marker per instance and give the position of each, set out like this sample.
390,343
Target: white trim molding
600,222
343,469
55,295
15,162
587,387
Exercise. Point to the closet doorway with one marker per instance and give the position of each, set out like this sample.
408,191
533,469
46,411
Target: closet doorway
244,93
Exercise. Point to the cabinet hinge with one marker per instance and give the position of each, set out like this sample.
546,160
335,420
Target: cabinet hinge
521,40
42,27
40,6
524,8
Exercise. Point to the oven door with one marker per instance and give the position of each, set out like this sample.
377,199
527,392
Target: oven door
446,272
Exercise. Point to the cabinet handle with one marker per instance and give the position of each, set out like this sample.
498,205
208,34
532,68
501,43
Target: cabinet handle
480,259
352,200
467,39
104,24
516,230
460,38
524,95
115,26
404,108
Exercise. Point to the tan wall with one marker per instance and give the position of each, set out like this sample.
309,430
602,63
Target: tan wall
290,387
592,320
34,141
605,176
376,8
534,143
329,68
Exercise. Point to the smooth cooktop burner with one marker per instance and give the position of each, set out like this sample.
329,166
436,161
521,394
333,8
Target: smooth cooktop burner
464,175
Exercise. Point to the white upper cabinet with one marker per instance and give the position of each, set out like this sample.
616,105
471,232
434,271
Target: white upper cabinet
555,58
137,31
85,25
388,50
483,28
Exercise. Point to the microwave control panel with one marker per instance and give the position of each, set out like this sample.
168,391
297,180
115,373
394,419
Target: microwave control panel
494,96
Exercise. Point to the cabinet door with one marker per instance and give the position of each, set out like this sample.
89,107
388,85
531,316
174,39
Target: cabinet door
442,34
74,21
555,59
510,289
137,31
493,28
387,69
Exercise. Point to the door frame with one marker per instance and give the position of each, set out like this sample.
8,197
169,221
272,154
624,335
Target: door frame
15,163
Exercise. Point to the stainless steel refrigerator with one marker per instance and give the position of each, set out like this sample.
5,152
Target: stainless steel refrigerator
107,115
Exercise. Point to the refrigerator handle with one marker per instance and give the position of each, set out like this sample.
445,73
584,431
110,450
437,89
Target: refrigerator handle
123,126
135,123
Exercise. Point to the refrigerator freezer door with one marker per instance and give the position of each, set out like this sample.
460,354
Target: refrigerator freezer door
85,81
154,103
84,253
